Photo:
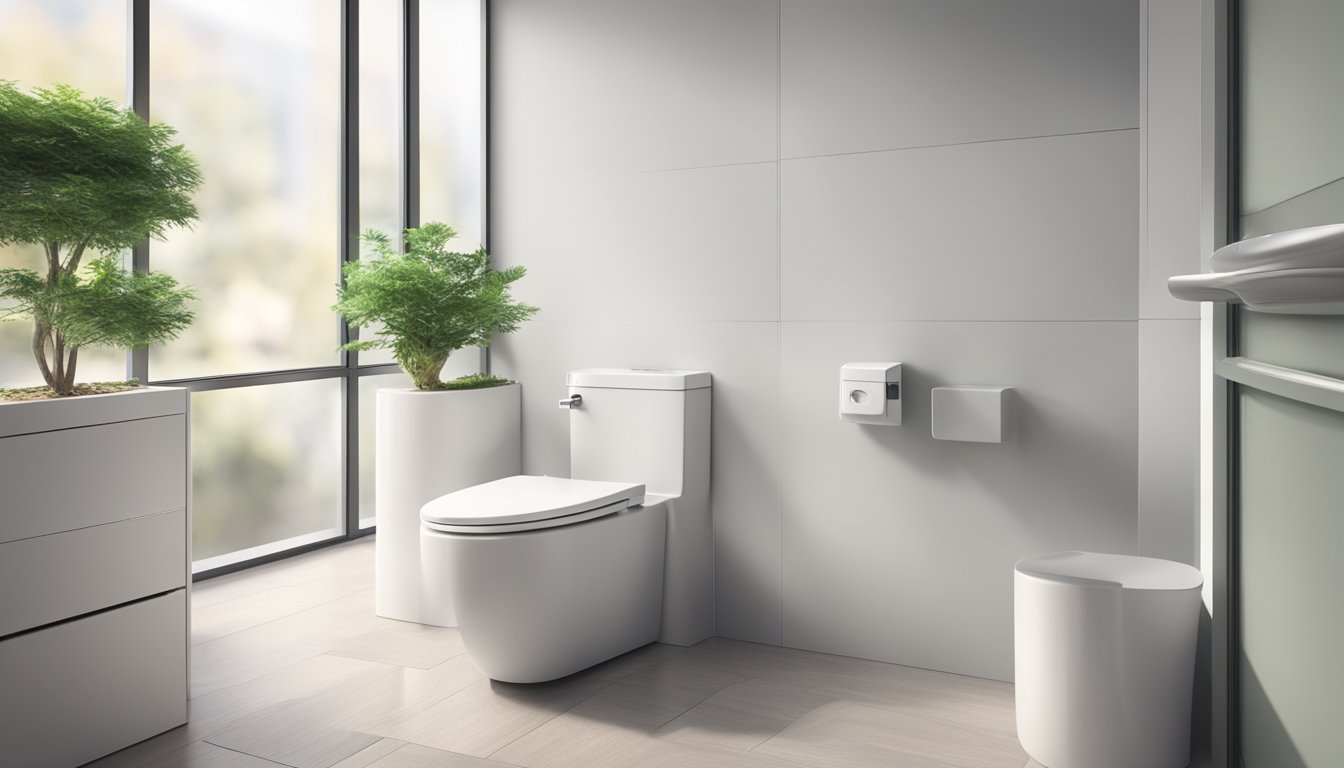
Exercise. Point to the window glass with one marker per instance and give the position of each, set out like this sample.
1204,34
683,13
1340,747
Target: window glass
266,469
253,87
451,118
380,129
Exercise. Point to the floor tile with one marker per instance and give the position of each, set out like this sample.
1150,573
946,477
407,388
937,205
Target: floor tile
405,644
371,754
650,697
199,754
289,738
330,685
742,716
486,715
862,735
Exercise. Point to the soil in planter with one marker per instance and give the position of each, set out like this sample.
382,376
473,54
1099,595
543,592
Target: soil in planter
46,393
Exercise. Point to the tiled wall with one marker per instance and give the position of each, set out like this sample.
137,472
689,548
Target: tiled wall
768,189
1170,206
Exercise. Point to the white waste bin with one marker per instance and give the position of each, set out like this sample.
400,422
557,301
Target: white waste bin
1105,659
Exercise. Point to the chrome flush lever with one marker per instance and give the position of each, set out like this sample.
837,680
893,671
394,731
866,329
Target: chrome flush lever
573,401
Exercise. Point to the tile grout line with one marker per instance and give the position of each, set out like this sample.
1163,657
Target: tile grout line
779,289
241,752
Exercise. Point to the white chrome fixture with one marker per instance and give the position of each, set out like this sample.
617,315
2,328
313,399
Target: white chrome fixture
552,575
1300,271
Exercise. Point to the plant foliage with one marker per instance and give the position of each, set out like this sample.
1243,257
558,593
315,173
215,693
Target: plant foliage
77,174
429,301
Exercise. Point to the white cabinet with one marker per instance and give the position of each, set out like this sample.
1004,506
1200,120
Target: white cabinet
94,574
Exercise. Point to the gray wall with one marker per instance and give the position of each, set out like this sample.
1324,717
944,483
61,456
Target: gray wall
1169,244
769,189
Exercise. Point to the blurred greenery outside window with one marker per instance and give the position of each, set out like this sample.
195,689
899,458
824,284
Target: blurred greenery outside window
253,88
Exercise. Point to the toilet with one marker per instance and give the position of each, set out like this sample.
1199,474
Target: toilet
550,575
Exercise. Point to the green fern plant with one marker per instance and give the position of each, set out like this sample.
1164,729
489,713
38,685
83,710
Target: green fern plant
78,175
429,301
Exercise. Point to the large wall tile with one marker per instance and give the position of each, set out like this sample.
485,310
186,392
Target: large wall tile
1172,165
1038,229
1169,439
899,547
744,358
693,245
863,75
598,86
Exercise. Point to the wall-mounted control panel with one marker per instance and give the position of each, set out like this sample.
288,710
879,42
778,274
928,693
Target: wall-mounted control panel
870,393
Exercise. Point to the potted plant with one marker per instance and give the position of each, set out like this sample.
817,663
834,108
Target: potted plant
440,436
95,518
79,176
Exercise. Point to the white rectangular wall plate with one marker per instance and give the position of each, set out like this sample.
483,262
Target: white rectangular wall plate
971,414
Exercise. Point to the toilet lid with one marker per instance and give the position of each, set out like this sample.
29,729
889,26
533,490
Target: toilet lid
523,502
1123,571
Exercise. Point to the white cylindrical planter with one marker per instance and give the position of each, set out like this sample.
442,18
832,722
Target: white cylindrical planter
429,444
1105,659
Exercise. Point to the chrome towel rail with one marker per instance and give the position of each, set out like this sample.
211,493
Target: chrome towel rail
1304,387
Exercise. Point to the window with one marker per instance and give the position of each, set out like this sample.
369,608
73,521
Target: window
270,97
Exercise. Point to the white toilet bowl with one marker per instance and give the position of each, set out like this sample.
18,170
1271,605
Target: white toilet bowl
548,575
551,575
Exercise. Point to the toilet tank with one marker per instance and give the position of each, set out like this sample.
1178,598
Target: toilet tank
642,426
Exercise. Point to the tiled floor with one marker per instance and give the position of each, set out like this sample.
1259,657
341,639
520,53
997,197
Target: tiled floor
290,667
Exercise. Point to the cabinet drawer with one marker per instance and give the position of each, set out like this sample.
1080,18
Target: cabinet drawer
76,478
49,578
77,691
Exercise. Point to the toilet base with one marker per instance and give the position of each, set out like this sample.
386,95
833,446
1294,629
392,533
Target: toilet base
540,605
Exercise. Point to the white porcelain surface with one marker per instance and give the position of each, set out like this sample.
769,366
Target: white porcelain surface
1105,657
745,447
1171,175
603,86
1038,229
639,378
860,76
541,605
661,437
428,444
696,244
608,583
526,498
877,560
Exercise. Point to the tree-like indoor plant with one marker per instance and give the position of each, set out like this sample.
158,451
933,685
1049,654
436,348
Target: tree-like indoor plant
425,303
80,176
95,519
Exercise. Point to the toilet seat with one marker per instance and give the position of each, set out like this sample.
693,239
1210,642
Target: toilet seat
527,503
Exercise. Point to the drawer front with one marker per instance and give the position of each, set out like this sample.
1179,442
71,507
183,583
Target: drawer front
77,691
49,578
75,478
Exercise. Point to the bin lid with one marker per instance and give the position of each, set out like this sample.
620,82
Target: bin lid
1123,571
